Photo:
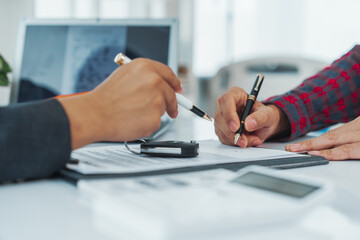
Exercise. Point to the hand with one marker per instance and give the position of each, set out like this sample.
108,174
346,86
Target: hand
126,106
337,144
263,123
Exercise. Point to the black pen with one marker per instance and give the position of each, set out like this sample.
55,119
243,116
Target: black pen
249,104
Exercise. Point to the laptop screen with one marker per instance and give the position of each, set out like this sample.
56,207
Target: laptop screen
70,58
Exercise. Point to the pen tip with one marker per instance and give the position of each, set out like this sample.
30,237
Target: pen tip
207,117
237,136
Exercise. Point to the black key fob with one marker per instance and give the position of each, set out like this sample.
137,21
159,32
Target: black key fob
177,149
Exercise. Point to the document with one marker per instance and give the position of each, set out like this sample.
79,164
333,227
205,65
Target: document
116,159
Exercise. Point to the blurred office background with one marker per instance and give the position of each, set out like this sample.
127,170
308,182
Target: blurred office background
215,33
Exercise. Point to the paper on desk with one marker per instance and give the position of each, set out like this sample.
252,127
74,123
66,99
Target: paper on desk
117,159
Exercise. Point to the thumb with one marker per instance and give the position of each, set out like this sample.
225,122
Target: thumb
258,119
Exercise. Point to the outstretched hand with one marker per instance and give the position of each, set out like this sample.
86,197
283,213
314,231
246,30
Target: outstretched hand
338,144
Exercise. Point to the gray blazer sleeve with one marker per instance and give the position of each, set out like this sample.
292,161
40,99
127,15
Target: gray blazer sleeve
34,140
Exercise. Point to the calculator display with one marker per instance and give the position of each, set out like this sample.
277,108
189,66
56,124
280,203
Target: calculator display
275,184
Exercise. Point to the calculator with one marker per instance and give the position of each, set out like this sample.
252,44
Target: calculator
169,206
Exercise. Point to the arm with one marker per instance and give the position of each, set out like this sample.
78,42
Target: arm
329,97
338,87
34,140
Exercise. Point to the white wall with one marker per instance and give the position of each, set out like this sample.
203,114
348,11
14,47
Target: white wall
232,30
214,33
10,13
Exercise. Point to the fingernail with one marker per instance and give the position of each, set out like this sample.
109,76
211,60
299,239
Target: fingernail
233,126
250,124
257,142
241,143
294,147
315,153
176,114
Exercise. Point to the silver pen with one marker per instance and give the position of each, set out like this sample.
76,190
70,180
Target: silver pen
122,59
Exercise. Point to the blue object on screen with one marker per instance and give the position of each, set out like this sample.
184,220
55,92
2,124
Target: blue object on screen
67,57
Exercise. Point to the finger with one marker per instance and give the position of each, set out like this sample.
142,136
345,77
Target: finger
168,75
253,140
343,152
332,138
223,137
243,141
260,118
221,126
170,99
151,123
228,105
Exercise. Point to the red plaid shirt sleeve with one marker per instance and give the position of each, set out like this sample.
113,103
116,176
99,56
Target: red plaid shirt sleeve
329,97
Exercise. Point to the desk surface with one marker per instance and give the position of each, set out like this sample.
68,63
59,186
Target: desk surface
51,209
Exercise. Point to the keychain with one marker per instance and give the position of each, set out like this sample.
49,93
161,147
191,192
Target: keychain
176,149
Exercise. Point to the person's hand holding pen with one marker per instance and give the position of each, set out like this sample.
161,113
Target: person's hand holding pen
126,106
263,122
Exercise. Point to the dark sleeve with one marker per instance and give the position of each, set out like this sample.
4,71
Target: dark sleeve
34,140
329,97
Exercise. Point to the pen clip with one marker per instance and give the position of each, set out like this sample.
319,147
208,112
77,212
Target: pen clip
260,78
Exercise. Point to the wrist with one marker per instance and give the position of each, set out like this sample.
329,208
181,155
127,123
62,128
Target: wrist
282,122
85,119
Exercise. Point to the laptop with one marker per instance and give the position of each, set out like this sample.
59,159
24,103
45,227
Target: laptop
68,56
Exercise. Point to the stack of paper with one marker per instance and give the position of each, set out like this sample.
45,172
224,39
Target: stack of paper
117,159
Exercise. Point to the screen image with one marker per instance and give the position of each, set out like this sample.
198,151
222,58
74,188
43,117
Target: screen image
274,184
66,59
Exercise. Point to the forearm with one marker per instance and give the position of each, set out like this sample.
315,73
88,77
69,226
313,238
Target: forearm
329,97
85,119
34,140
282,130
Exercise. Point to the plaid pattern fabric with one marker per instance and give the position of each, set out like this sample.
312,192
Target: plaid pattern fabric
329,97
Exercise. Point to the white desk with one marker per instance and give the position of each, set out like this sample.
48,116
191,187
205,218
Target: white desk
50,209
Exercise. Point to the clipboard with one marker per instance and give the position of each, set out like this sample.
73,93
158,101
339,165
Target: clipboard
279,163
